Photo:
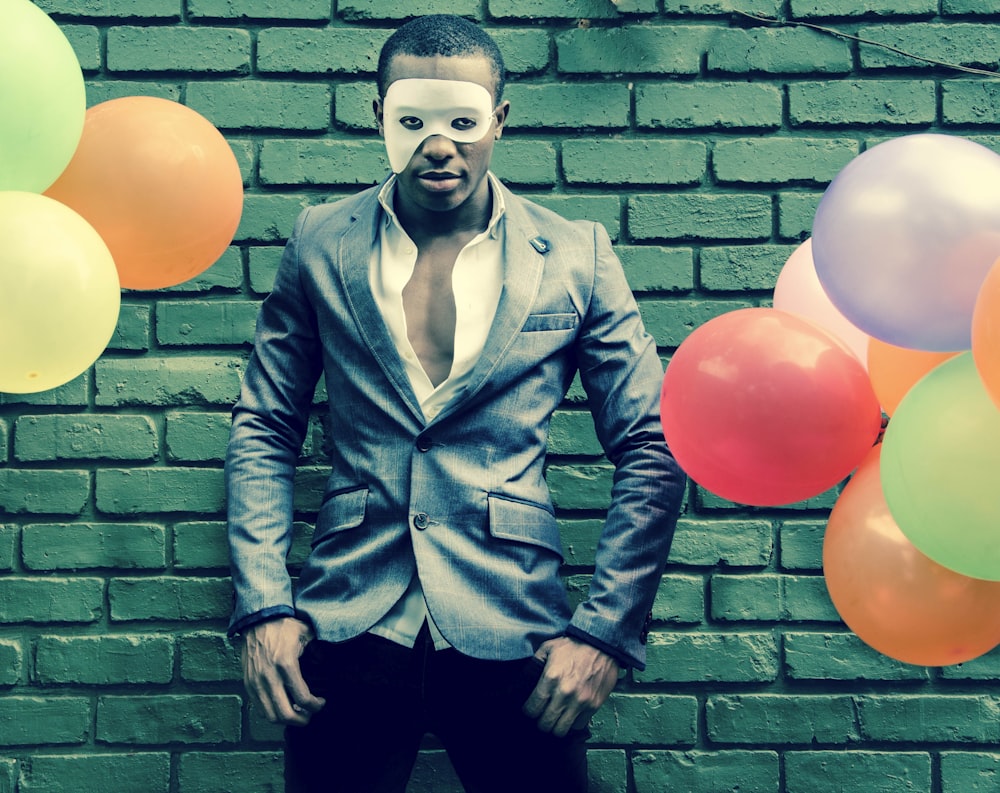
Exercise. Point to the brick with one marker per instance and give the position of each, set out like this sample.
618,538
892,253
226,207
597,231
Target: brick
580,486
639,162
842,102
8,775
970,102
85,437
319,51
974,772
680,600
4,435
208,658
178,49
706,772
781,160
841,656
207,772
524,50
656,268
269,218
580,537
670,322
86,43
878,772
573,106
769,8
656,50
961,43
145,491
323,162
737,543
647,719
289,10
700,216
606,770
985,667
192,380
801,545
573,433
929,719
200,545
364,10
11,663
563,9
110,9
353,105
704,105
8,536
804,9
75,393
148,720
225,273
76,546
781,51
89,773
133,330
62,600
771,598
259,105
796,212
262,267
529,163
745,268
44,720
197,437
603,209
780,718
173,598
963,7
43,492
700,657
104,660
104,90
182,323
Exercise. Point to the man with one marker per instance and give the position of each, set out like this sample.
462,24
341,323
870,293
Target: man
449,318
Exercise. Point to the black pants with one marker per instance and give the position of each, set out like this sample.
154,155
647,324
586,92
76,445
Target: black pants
381,699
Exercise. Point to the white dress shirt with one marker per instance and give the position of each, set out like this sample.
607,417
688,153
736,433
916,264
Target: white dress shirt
477,280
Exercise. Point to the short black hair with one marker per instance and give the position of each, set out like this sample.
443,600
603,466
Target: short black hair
441,34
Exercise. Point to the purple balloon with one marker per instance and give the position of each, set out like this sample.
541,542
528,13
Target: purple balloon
905,235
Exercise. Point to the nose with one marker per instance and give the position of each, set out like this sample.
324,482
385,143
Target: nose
438,147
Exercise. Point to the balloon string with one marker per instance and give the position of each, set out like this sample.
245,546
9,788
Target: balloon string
761,18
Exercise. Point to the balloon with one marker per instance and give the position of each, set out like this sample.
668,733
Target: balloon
159,183
799,291
59,293
894,370
893,597
763,407
986,333
43,98
939,469
904,236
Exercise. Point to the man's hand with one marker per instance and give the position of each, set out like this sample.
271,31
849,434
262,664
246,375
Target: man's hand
271,674
576,681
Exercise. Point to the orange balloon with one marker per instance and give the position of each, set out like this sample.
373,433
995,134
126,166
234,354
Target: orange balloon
895,370
159,183
986,333
896,599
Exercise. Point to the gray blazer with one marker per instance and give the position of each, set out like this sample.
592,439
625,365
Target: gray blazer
461,499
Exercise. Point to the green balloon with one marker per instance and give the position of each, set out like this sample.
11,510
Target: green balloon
42,95
941,469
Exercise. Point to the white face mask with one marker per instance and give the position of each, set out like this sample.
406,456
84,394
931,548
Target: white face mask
417,108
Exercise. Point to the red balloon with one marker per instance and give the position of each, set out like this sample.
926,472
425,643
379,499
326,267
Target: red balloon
896,599
764,407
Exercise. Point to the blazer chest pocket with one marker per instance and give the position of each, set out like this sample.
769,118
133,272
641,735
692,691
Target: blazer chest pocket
539,322
340,512
524,522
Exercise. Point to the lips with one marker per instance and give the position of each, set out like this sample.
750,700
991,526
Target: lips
439,180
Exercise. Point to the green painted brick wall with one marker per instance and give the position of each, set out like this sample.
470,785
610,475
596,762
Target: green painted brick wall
703,140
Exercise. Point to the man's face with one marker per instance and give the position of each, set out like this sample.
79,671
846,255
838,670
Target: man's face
439,122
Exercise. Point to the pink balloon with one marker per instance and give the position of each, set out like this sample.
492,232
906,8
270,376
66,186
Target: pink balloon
799,291
764,407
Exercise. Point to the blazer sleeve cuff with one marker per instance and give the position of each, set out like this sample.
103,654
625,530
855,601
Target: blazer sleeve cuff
624,661
237,627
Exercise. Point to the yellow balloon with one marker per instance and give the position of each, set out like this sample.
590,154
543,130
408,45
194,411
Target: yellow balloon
59,293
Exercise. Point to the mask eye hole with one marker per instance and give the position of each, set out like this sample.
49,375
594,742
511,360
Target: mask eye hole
411,122
463,124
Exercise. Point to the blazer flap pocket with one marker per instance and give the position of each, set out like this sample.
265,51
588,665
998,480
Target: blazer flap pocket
525,522
341,511
536,322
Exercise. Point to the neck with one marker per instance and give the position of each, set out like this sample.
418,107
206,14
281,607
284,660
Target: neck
472,216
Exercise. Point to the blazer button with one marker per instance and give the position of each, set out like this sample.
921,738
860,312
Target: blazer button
421,521
424,443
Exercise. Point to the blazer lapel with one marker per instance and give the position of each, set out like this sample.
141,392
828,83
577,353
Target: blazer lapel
353,258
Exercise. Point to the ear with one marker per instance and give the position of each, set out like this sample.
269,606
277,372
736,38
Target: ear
377,109
500,116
